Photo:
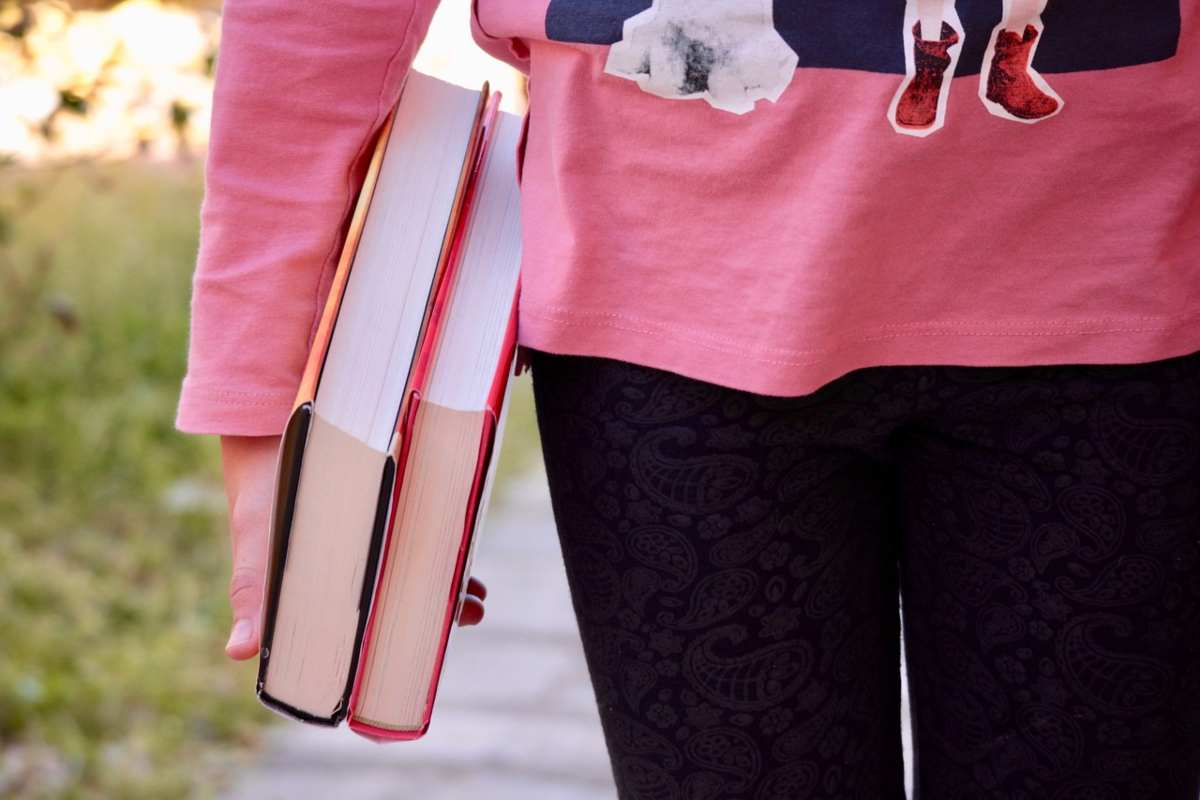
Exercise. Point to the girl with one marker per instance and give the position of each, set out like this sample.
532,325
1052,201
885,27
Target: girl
790,367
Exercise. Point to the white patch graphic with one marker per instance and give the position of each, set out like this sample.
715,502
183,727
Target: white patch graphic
726,52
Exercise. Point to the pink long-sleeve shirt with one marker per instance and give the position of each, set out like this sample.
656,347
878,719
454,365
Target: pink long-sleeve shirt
758,194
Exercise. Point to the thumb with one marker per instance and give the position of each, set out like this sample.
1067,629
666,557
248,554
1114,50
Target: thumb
245,598
250,538
249,466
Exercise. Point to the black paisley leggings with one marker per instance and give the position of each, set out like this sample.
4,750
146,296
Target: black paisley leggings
736,563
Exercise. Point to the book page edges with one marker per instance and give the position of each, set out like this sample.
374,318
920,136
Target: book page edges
488,452
358,469
287,479
427,330
291,455
402,444
483,461
315,363
489,113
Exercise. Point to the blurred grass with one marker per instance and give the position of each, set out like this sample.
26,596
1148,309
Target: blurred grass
113,550
113,555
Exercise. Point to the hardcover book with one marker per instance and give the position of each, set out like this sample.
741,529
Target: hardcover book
387,461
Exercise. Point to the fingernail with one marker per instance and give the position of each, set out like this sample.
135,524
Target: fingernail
241,633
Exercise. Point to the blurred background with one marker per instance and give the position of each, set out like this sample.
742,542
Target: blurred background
113,545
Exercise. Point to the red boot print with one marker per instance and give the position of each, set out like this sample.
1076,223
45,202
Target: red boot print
932,44
1009,82
919,101
1009,86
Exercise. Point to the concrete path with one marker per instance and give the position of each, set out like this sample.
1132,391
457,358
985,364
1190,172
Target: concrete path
515,716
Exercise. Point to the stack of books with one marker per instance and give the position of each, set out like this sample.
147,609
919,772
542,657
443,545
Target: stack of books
387,461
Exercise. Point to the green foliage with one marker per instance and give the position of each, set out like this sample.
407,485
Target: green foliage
113,551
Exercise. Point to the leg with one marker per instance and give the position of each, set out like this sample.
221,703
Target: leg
1019,13
733,581
1010,87
931,15
932,46
1051,578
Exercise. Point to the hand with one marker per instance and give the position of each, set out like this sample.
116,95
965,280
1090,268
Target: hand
249,466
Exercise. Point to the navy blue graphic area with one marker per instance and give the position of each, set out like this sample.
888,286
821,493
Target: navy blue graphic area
590,21
1081,35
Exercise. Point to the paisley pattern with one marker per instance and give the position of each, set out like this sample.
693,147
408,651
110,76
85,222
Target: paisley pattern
1152,450
755,680
662,548
696,485
1120,683
736,563
717,596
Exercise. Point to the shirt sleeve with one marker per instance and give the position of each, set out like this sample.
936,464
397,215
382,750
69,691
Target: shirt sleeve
301,90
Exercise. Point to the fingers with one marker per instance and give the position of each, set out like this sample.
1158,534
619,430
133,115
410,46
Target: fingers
472,611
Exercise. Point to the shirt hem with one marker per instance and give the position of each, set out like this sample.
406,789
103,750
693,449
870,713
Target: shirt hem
780,372
231,412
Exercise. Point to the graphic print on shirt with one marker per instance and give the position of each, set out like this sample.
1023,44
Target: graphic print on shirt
732,53
1009,86
727,52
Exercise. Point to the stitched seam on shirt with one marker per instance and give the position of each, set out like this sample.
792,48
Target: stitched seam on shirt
236,403
352,196
1053,324
241,402
745,352
265,398
952,327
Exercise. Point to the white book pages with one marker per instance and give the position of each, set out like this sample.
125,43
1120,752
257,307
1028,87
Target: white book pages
375,338
472,333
